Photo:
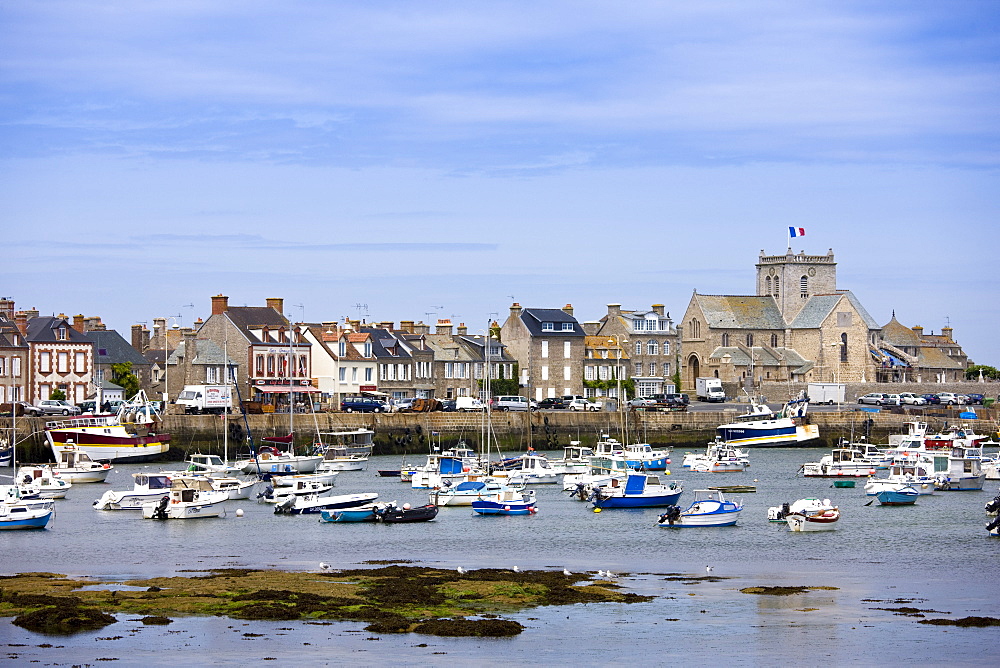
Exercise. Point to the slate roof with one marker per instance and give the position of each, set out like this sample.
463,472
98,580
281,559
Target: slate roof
207,352
740,312
534,317
8,330
249,318
43,330
935,358
739,357
111,348
383,341
819,307
899,334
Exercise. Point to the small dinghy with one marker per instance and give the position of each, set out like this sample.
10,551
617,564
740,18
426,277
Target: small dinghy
390,513
362,514
709,509
806,515
898,495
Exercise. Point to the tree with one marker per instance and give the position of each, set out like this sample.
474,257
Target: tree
121,375
972,373
57,394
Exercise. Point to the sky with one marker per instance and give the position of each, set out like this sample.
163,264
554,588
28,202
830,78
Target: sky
415,161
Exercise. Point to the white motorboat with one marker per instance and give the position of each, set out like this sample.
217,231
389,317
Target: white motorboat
269,459
917,474
184,503
313,503
464,493
453,465
760,426
322,477
809,514
575,459
272,494
960,469
210,465
145,487
41,480
21,516
530,468
845,461
76,466
719,457
345,450
639,456
603,469
708,509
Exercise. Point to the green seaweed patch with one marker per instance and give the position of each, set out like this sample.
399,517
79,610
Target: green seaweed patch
783,591
694,579
968,622
907,611
387,562
156,620
480,628
64,619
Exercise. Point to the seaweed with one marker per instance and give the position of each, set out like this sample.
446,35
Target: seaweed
489,628
968,622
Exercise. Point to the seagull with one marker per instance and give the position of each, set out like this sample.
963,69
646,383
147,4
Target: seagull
325,566
609,575
600,574
461,571
708,569
516,569
566,571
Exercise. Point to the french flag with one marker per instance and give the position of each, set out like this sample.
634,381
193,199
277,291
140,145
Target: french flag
796,231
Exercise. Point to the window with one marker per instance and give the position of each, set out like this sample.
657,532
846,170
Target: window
774,340
303,366
341,348
63,362
804,286
545,348
777,281
695,326
545,373
354,374
638,368
725,339
567,327
588,373
749,340
843,347
603,372
548,326
368,374
62,334
80,363
343,374
270,365
666,347
567,349
367,349
638,347
767,285
652,347
3,366
652,368
567,374
45,365
15,366
449,370
211,375
99,376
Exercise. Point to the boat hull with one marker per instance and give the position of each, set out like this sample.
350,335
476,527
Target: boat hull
638,501
962,484
719,519
348,515
503,508
109,447
31,518
770,433
809,523
891,497
396,515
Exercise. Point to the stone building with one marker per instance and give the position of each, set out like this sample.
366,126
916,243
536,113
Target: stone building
60,358
651,341
461,361
548,345
910,355
13,356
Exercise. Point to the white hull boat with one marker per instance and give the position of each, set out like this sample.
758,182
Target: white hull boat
312,503
77,467
42,481
806,515
184,504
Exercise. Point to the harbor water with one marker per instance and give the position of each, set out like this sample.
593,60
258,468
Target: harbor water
934,556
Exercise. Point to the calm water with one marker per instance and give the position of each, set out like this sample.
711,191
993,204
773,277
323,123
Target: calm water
936,553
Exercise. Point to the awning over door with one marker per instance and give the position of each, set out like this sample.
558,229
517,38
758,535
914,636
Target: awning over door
285,389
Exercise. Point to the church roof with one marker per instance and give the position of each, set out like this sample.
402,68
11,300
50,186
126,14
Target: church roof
899,334
935,358
740,312
819,307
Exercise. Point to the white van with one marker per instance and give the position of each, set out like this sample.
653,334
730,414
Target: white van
469,404
510,403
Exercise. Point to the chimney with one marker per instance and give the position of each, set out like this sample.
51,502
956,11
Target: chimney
79,323
614,310
946,332
137,338
21,320
277,303
568,309
591,327
658,309
406,326
461,330
443,327
515,310
421,328
220,304
385,324
918,330
7,308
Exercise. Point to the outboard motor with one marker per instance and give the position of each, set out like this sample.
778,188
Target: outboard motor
580,492
994,524
284,506
994,505
672,514
160,512
268,491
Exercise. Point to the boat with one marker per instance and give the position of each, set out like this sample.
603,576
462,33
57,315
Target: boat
509,502
760,426
898,494
6,451
130,435
41,480
575,459
301,504
708,509
390,473
844,461
19,516
719,457
76,466
603,469
344,450
322,478
210,465
235,488
391,513
640,490
639,456
270,459
844,483
453,464
808,514
530,468
185,503
960,470
464,493
917,474
362,514
145,487
993,510
274,494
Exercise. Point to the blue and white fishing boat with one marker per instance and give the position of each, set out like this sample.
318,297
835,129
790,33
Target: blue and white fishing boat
639,490
603,469
509,502
709,509
760,426
464,493
453,465
897,495
639,456
314,503
20,516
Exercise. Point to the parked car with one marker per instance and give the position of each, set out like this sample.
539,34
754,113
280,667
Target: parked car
876,398
642,402
469,404
448,405
510,403
975,398
949,398
57,407
911,399
551,403
364,405
23,408
404,405
582,405
931,399
672,399
892,400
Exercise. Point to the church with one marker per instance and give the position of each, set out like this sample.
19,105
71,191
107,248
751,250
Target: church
799,327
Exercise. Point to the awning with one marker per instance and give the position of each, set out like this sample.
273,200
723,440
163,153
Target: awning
285,389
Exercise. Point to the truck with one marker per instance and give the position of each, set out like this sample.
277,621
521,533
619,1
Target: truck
205,399
826,393
709,389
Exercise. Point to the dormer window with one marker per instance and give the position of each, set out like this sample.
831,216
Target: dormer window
61,333
342,348
567,327
368,349
548,326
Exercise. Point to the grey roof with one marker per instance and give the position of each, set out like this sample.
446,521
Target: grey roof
740,312
249,318
534,317
111,348
764,357
8,330
819,307
383,341
207,352
43,330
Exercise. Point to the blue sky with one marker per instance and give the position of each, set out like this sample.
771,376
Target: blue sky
442,159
